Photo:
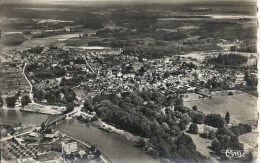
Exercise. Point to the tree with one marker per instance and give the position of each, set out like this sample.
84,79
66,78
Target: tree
51,96
225,141
165,127
141,143
182,126
186,119
178,102
69,94
241,129
88,106
94,118
214,120
97,154
251,79
155,153
227,117
42,126
176,131
142,71
216,146
230,93
195,108
1,101
69,108
93,149
36,49
193,128
186,149
230,59
212,135
224,131
10,101
25,100
233,48
166,74
38,94
197,117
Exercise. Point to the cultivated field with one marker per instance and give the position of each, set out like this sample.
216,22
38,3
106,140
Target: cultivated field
242,107
250,142
202,146
191,97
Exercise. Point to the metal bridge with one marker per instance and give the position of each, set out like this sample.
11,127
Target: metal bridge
52,120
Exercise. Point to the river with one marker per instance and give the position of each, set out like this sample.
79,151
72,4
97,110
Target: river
115,147
211,17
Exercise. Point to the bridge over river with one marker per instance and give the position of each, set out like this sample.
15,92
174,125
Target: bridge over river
53,120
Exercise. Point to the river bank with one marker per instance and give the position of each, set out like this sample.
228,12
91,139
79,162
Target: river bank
103,157
20,137
11,108
109,128
37,108
129,136
116,147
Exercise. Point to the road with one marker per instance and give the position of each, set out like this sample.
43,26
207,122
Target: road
50,107
31,87
76,112
10,137
88,63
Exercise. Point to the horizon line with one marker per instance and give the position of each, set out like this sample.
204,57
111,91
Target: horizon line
117,1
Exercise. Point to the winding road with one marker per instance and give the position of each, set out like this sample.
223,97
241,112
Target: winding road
31,87
51,111
76,112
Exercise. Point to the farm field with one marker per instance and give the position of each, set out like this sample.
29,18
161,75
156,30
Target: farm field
242,107
250,142
13,81
202,146
191,97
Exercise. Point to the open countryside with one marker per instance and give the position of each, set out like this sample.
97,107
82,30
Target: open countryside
242,107
105,82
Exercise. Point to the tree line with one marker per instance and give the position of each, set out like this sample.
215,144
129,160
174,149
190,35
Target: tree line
141,114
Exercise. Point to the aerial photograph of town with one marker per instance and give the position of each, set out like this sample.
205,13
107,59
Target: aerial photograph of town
132,81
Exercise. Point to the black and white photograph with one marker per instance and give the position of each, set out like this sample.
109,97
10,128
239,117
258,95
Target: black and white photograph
129,81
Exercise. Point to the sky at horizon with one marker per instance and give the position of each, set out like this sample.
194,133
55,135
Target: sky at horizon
83,1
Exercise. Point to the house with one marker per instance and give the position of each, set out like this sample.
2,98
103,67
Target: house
69,147
49,136
56,134
191,89
166,60
119,74
239,79
132,75
109,73
54,65
31,73
34,134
